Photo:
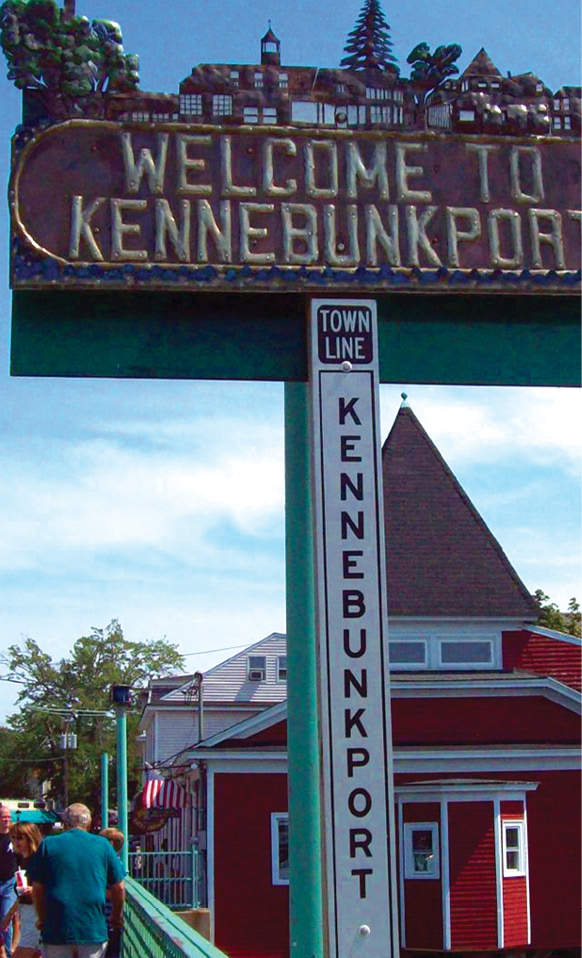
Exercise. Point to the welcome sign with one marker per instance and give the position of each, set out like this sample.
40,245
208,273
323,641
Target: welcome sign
169,205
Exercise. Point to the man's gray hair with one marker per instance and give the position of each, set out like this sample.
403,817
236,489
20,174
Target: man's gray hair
78,816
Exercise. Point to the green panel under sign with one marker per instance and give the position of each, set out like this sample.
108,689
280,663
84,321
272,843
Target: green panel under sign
449,339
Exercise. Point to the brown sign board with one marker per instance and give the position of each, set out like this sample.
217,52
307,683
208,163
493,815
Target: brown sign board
132,206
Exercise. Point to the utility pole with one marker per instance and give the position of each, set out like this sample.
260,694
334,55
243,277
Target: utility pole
67,740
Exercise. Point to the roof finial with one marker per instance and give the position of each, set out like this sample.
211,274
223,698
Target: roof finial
404,398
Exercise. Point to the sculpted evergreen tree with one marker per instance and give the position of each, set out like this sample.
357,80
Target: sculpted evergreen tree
369,46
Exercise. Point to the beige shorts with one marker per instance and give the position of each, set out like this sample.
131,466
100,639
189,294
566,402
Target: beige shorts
75,951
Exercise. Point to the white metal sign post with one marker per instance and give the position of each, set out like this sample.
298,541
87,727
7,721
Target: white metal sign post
354,705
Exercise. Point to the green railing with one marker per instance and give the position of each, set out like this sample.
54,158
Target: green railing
152,930
171,876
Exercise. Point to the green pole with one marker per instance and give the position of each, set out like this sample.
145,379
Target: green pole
121,728
104,789
305,888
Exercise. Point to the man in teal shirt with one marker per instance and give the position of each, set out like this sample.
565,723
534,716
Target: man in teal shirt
70,875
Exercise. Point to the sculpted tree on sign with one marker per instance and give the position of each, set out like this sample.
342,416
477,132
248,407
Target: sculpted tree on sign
68,62
430,69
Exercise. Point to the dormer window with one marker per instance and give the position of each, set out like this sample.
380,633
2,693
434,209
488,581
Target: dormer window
443,652
281,668
257,668
234,77
283,81
258,81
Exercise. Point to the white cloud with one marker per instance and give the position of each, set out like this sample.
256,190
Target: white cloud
488,424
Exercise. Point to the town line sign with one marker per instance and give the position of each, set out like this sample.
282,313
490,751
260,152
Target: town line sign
176,205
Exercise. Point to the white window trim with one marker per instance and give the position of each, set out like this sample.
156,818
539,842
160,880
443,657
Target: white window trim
409,872
433,642
466,640
520,871
257,668
409,666
279,679
277,817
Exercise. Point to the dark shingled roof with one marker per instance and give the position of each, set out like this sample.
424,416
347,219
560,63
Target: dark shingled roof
481,65
442,560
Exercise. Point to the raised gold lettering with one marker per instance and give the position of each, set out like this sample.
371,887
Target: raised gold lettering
455,235
403,172
553,238
269,187
293,234
81,227
166,225
185,163
155,171
208,225
513,219
250,234
376,234
357,170
120,229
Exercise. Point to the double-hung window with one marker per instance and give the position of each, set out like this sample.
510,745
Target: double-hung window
257,668
513,849
421,850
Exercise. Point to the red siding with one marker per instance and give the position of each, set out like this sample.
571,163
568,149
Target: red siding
543,656
472,875
251,914
515,931
274,735
423,896
494,721
553,819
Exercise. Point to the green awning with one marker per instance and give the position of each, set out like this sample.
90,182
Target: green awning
37,815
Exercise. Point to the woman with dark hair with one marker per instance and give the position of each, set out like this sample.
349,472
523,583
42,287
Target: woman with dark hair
26,838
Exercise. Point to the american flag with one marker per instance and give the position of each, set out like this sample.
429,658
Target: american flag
159,792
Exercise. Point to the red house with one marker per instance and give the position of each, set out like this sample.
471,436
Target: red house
485,713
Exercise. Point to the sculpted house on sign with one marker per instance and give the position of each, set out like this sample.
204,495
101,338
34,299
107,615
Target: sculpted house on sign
265,174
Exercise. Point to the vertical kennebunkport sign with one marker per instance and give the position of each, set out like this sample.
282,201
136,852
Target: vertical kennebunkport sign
351,617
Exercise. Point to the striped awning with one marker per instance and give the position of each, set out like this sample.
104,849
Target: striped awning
159,792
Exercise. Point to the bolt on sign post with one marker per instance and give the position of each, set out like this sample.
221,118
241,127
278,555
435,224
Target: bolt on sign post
351,618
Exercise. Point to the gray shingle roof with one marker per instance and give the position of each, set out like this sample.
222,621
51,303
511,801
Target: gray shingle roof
442,560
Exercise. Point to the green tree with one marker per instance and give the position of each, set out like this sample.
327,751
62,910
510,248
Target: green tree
430,69
68,61
79,683
552,618
369,46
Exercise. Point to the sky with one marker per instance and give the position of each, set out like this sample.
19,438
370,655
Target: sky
160,503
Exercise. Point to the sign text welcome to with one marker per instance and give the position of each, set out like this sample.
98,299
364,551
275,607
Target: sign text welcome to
175,199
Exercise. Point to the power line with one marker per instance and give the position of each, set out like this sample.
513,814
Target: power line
227,648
